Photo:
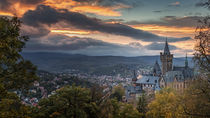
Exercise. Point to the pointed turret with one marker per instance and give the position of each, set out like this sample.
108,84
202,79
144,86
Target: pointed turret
134,79
186,61
166,49
134,76
156,69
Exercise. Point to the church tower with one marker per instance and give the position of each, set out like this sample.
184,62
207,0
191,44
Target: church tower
166,59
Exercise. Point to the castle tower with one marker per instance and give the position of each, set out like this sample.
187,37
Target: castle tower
166,59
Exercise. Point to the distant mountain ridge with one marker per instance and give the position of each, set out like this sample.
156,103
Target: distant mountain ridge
62,62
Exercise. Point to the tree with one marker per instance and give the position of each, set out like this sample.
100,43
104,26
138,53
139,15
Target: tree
142,104
205,3
165,105
15,72
112,108
128,111
118,92
195,101
202,48
68,102
11,106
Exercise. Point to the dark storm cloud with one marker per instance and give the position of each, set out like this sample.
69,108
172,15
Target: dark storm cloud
113,20
64,43
5,5
87,46
131,3
31,1
188,21
45,15
159,46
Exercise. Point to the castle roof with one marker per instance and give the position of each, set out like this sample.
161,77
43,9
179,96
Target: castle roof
148,80
170,75
186,71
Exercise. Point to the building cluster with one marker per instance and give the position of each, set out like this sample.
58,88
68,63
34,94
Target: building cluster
50,82
165,76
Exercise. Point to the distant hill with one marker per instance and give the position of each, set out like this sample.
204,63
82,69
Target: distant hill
62,62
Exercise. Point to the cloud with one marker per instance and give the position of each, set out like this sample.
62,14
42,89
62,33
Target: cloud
31,2
34,32
187,21
132,3
176,4
17,7
87,46
159,46
54,42
98,7
90,46
44,16
135,44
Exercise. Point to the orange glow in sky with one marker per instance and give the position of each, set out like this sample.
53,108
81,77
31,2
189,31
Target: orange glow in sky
104,11
170,31
82,8
70,32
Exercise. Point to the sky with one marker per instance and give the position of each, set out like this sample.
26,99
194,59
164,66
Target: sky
107,27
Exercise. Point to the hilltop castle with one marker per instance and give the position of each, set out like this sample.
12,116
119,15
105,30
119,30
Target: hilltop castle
165,76
173,76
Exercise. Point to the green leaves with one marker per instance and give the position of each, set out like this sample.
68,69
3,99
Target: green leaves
69,101
15,72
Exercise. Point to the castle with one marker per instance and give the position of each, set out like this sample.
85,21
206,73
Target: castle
165,76
173,76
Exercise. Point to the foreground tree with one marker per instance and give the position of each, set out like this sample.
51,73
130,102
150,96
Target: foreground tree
195,101
118,92
142,104
202,48
112,108
68,102
129,111
165,105
11,106
15,72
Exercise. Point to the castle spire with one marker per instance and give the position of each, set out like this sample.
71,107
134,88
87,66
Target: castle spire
186,61
134,76
166,49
